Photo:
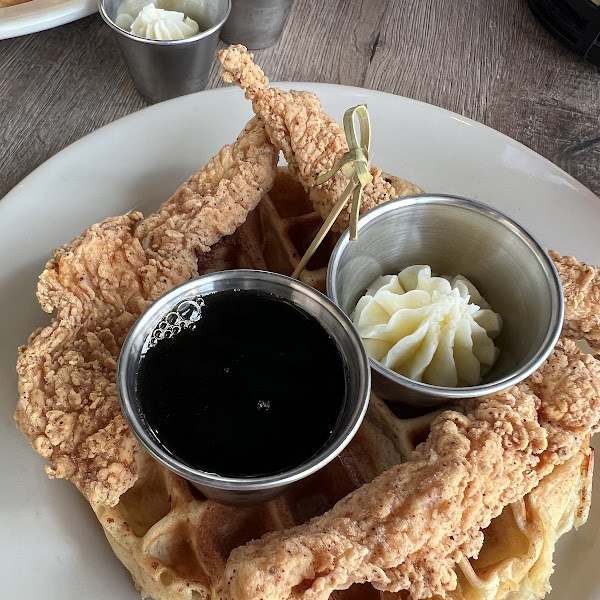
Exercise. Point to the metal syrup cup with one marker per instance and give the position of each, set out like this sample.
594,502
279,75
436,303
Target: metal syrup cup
244,491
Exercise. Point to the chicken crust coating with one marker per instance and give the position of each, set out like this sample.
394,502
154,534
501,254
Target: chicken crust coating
311,141
408,528
581,289
99,284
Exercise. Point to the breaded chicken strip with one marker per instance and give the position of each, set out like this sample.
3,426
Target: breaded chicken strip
408,528
581,288
311,141
99,284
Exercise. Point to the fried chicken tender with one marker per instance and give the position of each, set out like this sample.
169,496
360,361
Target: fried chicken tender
99,284
311,141
408,528
581,288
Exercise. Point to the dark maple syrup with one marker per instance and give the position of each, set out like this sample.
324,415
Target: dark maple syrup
255,388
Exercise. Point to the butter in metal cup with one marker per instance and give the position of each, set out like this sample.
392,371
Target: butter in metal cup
165,69
506,264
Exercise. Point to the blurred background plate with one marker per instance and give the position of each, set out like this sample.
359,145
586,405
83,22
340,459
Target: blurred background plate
38,15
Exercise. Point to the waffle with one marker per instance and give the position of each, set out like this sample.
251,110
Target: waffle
175,542
275,236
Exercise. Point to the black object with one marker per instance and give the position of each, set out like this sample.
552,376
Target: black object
256,388
576,23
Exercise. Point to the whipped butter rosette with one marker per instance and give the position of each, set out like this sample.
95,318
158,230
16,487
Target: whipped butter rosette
436,330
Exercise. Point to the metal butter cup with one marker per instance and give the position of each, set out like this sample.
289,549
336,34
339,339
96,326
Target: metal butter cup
179,309
165,69
456,235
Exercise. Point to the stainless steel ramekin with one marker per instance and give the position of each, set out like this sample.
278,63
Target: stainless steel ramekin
249,490
165,69
456,235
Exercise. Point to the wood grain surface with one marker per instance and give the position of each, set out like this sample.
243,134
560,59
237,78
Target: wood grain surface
489,60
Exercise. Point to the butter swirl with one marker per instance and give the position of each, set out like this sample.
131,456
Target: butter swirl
159,24
435,330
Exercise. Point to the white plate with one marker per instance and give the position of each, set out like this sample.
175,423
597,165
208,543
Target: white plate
38,15
50,543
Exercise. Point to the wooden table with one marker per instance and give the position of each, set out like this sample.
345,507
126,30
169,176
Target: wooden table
488,60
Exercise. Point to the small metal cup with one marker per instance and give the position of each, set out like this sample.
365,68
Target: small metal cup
454,236
256,23
244,491
163,69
